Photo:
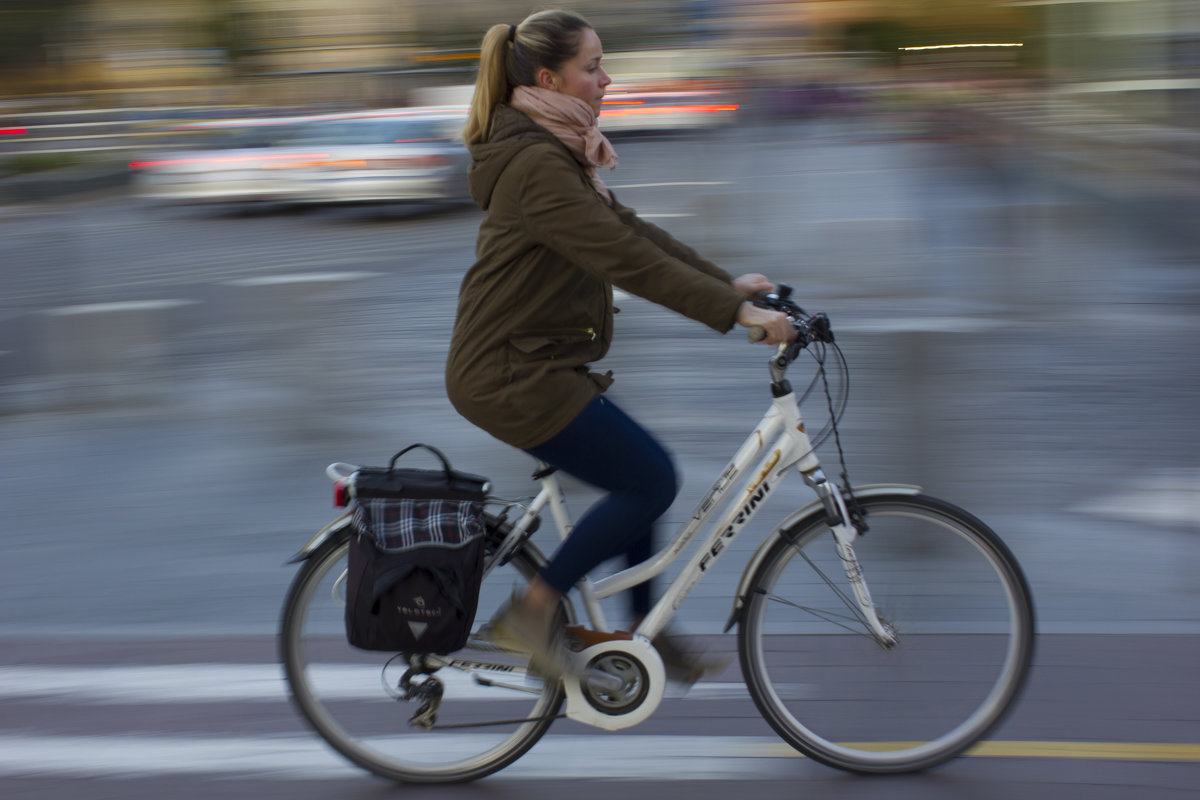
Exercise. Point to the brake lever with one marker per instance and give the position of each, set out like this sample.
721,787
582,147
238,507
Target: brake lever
821,331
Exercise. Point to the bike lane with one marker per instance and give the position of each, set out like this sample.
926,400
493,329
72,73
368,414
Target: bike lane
124,718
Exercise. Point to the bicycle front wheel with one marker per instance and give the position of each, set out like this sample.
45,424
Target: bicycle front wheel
953,595
490,709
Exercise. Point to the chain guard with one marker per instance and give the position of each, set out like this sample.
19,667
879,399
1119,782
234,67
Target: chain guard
643,680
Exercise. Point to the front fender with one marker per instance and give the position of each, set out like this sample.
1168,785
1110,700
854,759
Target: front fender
739,598
322,535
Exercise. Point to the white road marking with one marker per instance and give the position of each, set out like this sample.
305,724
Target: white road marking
933,324
669,183
1170,497
624,757
117,308
210,683
303,277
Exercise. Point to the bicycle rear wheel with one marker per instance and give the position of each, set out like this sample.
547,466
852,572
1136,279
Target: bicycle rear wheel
954,595
491,710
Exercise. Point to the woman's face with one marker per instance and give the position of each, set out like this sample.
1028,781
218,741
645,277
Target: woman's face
582,76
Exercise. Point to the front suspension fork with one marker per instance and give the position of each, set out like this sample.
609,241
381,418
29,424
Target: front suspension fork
845,532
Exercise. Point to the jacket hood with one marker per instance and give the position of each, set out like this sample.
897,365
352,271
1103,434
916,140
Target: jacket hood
512,132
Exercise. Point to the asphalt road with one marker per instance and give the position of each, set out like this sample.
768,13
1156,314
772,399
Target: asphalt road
1012,348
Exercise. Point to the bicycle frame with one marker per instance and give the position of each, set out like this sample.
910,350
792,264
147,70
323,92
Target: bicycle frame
791,446
615,680
761,468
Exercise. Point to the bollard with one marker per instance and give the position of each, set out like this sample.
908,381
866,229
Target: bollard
708,226
286,328
921,386
106,352
870,257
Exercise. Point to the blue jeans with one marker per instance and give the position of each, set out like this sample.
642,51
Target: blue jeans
607,449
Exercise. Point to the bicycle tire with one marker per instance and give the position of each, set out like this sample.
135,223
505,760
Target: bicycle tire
331,682
958,601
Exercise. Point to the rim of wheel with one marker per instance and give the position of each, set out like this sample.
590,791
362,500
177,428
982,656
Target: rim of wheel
1018,631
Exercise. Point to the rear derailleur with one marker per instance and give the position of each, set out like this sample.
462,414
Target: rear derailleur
420,684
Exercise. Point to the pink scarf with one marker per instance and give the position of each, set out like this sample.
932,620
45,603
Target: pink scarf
574,123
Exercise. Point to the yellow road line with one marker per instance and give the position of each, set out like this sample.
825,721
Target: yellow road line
1115,751
1110,751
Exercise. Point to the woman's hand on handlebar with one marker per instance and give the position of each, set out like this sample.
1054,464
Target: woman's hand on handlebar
775,324
753,284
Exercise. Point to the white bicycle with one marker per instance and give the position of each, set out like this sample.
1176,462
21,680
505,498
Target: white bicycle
879,630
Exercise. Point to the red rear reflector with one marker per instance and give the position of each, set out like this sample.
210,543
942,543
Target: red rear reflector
12,131
341,494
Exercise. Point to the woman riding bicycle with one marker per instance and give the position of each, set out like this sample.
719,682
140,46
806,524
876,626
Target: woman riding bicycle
535,310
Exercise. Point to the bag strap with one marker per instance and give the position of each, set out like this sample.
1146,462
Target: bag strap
441,457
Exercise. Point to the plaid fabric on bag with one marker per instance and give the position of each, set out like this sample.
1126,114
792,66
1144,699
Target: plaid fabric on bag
403,524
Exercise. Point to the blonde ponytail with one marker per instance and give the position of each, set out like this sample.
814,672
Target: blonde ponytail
491,85
510,56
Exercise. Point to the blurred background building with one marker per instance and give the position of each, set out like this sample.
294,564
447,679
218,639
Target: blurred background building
1140,56
1078,75
1135,55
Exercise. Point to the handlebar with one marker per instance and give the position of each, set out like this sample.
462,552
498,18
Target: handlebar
809,327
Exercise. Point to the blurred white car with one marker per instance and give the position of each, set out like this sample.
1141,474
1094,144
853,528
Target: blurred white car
230,161
414,155
393,155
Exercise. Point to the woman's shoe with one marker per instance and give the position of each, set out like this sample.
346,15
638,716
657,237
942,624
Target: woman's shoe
520,627
685,666
682,666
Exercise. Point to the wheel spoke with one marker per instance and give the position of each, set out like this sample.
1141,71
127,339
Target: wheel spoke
828,616
847,601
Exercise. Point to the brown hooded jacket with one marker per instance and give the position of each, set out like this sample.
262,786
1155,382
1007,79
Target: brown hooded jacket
536,308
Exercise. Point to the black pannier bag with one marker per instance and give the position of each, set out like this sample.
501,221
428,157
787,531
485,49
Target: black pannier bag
416,557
